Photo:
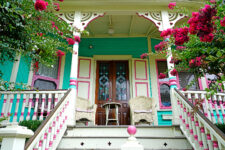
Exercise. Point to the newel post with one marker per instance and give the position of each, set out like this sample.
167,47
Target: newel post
14,136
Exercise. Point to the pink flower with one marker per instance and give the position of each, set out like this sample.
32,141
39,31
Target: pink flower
60,53
162,76
192,63
144,55
207,38
70,41
54,26
56,5
184,89
173,72
36,66
212,1
166,33
181,35
172,5
40,5
77,38
180,47
40,34
161,46
222,22
198,61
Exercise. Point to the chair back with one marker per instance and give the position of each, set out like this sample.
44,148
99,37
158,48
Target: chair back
82,103
141,103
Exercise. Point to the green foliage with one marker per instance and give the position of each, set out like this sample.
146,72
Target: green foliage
31,124
221,127
20,25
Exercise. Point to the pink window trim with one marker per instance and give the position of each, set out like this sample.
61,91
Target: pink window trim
141,83
135,71
56,81
88,87
160,83
89,75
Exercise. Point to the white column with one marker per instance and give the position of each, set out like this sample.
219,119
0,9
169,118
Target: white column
15,69
74,70
14,137
166,25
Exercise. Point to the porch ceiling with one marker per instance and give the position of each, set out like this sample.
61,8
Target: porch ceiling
123,26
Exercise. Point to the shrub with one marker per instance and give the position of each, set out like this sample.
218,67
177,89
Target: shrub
31,124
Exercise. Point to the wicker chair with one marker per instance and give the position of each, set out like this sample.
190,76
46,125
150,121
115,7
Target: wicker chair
84,110
141,110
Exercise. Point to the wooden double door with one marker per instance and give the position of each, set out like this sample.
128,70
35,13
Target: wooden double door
112,85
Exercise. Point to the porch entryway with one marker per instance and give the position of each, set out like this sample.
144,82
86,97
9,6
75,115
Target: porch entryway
112,85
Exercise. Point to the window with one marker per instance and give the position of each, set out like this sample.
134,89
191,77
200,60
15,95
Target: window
163,85
185,78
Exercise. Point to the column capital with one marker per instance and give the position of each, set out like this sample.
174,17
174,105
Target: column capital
80,20
162,19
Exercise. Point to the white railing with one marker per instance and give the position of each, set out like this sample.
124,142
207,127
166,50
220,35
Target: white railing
212,107
198,129
28,105
49,134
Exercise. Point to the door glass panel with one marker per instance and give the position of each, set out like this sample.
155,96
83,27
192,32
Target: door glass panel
103,81
44,84
49,71
185,78
121,81
165,95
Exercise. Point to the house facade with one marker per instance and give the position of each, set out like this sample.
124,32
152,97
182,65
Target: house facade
108,66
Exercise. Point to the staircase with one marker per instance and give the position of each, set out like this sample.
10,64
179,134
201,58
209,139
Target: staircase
112,137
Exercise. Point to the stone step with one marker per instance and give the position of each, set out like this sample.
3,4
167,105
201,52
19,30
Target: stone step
112,137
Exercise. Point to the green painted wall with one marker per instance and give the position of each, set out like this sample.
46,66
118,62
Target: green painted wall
23,71
154,42
160,119
66,76
113,46
6,70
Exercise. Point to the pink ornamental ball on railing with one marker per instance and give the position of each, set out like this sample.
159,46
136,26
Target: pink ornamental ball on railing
131,130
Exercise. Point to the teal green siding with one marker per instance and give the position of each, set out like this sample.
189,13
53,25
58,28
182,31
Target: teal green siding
113,46
23,71
66,76
160,119
6,69
153,43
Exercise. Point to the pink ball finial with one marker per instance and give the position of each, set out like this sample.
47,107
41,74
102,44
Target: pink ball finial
131,130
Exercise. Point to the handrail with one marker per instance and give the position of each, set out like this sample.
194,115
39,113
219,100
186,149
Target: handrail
198,129
48,119
35,104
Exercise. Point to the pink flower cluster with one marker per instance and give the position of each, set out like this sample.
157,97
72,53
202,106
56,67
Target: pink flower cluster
56,6
173,72
144,55
72,41
162,76
40,5
195,62
172,5
222,22
181,35
180,47
161,46
201,23
166,33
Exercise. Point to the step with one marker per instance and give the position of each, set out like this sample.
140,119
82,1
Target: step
112,137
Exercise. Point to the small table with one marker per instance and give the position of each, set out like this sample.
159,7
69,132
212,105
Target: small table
111,105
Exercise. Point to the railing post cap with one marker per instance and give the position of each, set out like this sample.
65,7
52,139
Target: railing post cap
131,130
13,130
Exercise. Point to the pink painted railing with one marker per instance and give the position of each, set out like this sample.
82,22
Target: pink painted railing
28,105
198,129
49,134
213,107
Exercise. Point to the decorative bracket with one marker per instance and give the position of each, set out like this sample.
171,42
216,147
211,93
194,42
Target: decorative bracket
156,18
85,18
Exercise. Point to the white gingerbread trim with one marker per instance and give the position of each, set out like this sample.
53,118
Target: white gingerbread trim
157,19
85,18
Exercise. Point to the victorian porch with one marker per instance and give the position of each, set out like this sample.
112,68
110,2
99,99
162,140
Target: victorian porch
106,67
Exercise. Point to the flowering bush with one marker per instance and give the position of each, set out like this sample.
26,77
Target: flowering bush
200,45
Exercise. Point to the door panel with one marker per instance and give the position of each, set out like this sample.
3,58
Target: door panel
112,84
